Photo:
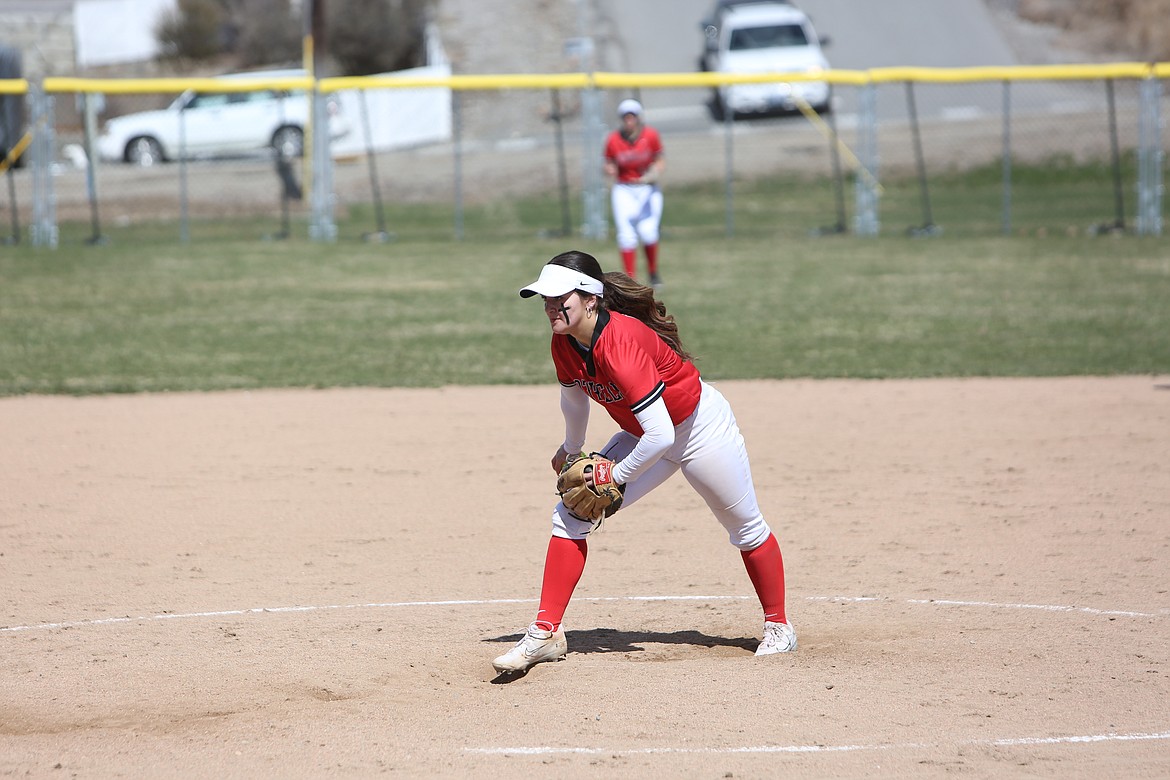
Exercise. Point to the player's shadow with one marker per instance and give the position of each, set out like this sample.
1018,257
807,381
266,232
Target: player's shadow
611,640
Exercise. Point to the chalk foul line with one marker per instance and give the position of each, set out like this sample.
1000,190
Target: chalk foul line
487,602
1010,742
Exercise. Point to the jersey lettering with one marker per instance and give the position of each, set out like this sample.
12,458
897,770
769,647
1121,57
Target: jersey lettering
627,368
607,393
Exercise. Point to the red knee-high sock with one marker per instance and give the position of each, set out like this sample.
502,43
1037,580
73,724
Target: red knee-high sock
630,261
563,564
765,566
652,257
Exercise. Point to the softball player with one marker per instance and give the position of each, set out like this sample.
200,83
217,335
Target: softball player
633,159
614,343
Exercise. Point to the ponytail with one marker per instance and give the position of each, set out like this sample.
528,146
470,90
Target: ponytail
626,296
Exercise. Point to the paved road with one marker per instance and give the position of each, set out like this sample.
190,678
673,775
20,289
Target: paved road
665,36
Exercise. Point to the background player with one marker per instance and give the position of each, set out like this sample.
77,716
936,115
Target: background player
614,343
633,159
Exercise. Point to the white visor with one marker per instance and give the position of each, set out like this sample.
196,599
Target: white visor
556,280
629,106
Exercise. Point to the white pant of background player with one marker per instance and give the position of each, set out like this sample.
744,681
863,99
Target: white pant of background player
637,214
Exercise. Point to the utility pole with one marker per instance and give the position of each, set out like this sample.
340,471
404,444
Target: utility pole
594,223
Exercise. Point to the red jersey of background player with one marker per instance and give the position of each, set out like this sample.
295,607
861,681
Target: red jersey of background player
626,369
633,158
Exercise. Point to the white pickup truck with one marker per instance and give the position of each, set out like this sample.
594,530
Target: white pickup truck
749,36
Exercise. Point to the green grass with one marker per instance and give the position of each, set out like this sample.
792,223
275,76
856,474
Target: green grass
145,313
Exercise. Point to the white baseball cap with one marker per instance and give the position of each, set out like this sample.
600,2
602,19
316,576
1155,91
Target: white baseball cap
556,280
629,106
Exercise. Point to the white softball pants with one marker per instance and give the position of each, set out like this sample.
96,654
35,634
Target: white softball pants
709,450
637,213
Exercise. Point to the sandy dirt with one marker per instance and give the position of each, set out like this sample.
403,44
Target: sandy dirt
313,584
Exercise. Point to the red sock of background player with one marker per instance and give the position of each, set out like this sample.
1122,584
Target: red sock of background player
563,564
652,258
630,261
765,566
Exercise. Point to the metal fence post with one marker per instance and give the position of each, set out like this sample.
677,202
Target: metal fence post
1115,157
835,161
928,227
865,219
1006,226
729,172
184,212
322,227
457,148
44,205
1149,216
372,165
558,119
89,115
596,224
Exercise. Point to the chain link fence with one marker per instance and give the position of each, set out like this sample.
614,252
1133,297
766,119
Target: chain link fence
1074,150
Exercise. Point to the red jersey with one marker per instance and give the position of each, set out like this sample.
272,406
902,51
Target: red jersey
633,157
626,369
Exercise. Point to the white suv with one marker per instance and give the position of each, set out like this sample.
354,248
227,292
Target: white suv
218,124
762,37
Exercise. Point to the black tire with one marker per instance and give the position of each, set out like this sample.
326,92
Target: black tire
144,151
289,141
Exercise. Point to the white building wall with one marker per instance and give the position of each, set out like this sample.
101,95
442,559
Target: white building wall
109,32
398,118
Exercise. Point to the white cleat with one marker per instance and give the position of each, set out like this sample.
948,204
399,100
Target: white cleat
778,638
536,647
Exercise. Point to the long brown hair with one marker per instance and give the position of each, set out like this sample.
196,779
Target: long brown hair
626,296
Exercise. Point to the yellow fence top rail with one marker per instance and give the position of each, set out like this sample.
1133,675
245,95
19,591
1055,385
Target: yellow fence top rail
145,86
602,80
1117,70
500,81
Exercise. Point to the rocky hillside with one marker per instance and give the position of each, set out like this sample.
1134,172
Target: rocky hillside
507,36
1137,30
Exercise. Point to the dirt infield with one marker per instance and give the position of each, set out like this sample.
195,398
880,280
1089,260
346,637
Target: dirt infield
313,583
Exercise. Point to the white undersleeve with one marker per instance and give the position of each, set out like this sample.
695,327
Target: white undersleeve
657,433
575,408
657,437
